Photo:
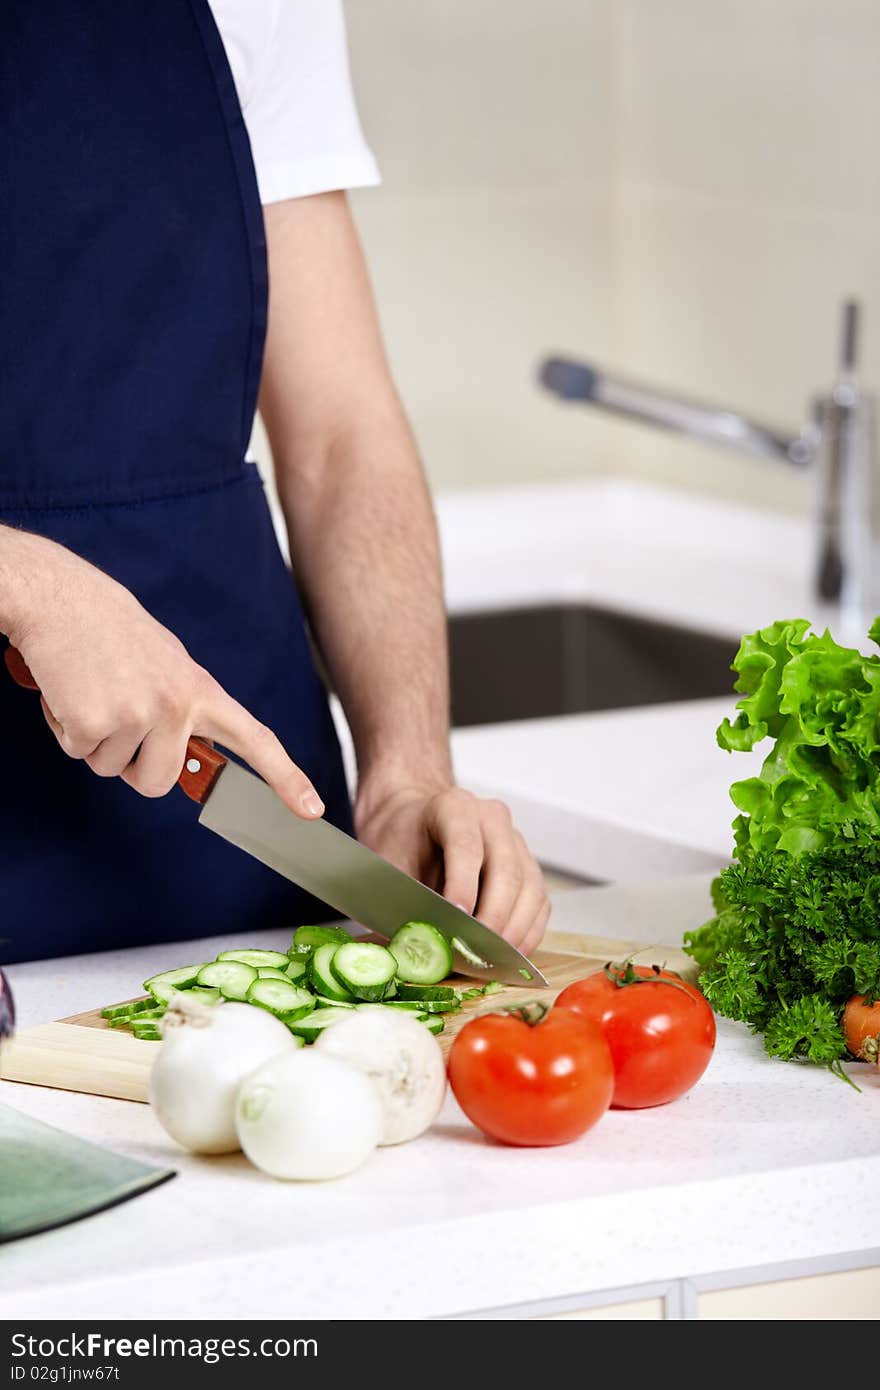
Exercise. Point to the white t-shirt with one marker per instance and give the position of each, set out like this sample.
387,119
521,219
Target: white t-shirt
290,63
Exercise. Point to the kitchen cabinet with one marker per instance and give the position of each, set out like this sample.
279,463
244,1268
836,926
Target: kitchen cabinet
639,1310
849,1295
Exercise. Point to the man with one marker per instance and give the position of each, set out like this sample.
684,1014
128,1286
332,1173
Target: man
139,573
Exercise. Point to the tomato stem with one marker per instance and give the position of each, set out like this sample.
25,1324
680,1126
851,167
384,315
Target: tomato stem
625,974
532,1012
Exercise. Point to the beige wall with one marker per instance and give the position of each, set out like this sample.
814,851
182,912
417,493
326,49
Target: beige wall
747,205
685,190
491,236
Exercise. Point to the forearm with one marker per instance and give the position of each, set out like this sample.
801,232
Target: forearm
366,556
23,564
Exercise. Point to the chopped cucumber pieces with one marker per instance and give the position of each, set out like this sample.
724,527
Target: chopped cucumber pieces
422,992
232,977
257,959
163,986
306,939
136,1006
366,970
319,981
320,974
422,953
314,1023
282,998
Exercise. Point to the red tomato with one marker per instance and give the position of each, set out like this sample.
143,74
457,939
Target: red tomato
861,1026
531,1077
661,1031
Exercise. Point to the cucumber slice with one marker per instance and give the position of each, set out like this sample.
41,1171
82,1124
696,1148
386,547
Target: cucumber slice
366,970
434,1023
269,972
145,1016
305,939
411,1005
493,987
314,1023
163,986
281,998
146,1029
423,992
296,969
321,1001
440,1006
232,977
137,1006
278,959
201,992
422,953
321,977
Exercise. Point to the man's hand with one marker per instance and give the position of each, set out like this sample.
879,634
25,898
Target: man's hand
465,848
118,689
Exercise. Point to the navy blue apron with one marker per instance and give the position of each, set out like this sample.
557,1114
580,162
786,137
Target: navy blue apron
133,296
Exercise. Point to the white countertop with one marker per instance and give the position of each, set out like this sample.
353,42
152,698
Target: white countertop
763,1162
627,795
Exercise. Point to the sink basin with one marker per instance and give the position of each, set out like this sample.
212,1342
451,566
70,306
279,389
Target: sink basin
573,658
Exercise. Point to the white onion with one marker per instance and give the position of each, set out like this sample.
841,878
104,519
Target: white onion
206,1052
307,1116
401,1058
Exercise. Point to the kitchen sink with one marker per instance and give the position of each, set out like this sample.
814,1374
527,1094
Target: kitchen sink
573,658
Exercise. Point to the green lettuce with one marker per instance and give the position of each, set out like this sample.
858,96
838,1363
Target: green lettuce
820,703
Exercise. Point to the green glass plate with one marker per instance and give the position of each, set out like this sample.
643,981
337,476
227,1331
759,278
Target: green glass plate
48,1178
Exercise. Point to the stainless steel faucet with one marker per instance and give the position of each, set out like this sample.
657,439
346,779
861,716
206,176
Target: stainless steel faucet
838,442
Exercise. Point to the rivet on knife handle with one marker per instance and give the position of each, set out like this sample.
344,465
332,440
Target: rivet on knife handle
203,763
200,771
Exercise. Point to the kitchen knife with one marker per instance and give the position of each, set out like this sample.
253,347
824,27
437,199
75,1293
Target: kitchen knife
329,864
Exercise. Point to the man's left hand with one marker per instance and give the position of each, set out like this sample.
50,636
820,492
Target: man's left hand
466,848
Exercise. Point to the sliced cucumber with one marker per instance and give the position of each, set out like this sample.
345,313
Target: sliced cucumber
305,939
321,1001
493,987
422,953
232,977
269,972
278,959
434,1023
136,1006
202,993
321,977
314,1023
440,1006
163,986
422,992
366,970
296,969
145,1016
411,1005
146,1029
282,998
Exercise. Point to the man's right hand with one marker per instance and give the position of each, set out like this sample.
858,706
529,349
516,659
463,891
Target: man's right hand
118,689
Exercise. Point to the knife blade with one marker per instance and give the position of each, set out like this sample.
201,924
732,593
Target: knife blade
354,880
332,866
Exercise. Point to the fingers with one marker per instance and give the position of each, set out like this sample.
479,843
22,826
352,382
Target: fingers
157,766
454,823
488,869
535,935
231,724
503,868
113,755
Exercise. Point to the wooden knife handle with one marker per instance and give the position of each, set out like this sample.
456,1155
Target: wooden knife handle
203,763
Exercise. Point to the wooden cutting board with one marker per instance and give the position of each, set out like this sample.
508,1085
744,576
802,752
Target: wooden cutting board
84,1053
